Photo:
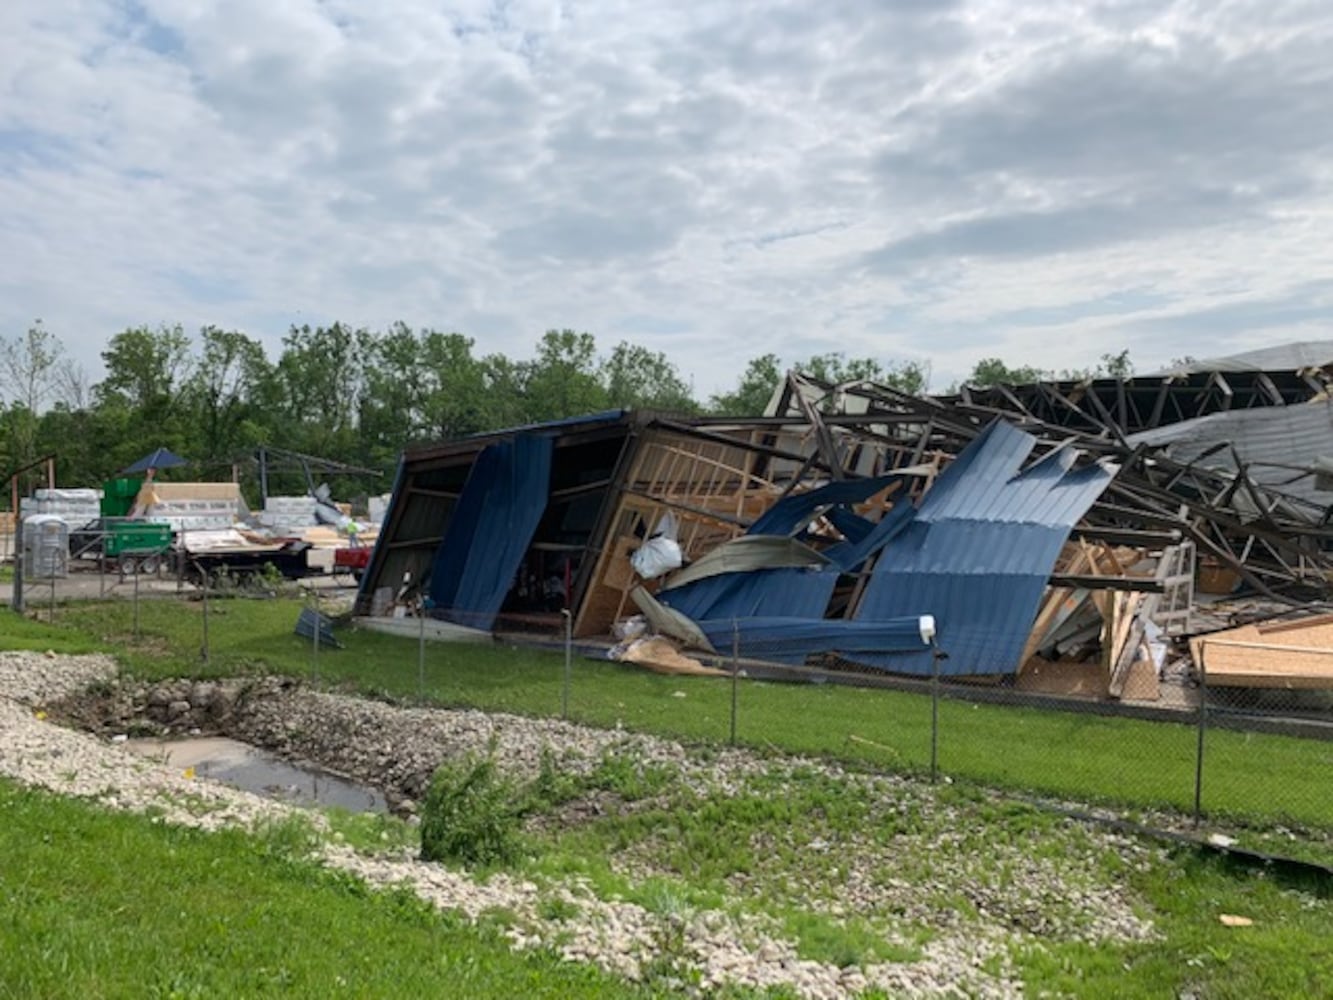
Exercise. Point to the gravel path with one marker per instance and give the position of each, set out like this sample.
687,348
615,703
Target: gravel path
402,746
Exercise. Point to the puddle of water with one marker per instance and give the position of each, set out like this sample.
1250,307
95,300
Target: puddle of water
253,770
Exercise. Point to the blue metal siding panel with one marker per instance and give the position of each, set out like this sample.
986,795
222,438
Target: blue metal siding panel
979,552
497,513
791,512
774,593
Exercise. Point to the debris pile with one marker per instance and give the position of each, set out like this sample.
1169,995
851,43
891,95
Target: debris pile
1066,537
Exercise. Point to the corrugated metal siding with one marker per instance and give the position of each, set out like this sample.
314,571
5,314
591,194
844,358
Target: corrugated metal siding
1278,358
1289,435
499,510
979,553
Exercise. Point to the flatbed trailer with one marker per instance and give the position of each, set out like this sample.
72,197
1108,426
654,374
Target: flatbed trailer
289,559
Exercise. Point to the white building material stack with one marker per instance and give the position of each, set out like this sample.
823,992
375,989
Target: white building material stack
379,507
288,515
75,507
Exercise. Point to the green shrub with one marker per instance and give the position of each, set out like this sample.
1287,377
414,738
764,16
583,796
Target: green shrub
472,814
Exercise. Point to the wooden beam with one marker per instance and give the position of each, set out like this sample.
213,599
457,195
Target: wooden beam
1134,537
691,508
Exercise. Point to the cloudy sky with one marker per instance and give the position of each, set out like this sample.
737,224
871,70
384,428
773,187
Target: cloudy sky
907,179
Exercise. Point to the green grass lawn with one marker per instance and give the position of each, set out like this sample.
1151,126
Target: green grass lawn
105,904
1286,952
96,904
1263,778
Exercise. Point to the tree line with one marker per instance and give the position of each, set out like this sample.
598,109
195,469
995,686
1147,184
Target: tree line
355,395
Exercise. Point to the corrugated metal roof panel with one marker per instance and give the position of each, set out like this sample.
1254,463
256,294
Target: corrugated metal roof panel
979,552
1278,358
1295,435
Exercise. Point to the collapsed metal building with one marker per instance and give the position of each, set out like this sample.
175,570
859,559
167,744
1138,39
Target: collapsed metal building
1040,521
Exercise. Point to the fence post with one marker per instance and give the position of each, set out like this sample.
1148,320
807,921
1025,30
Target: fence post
204,576
314,641
926,626
136,602
53,599
735,672
1203,725
421,651
16,598
569,662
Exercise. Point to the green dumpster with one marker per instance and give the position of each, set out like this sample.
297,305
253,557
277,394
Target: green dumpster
118,496
136,538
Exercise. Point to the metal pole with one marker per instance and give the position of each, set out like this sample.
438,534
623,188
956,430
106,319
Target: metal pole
735,672
204,573
934,710
1203,725
314,641
53,598
17,599
569,663
421,651
136,601
263,478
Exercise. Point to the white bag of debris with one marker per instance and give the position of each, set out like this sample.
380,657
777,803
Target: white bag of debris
630,628
661,553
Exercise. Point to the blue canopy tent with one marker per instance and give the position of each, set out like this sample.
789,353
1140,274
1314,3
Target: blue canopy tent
162,458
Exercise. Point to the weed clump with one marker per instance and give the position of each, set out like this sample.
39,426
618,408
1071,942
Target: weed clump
472,814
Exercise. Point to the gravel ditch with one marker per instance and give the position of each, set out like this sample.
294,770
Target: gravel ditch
396,749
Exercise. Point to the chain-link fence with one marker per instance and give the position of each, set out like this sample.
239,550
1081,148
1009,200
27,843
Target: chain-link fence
1173,751
1177,750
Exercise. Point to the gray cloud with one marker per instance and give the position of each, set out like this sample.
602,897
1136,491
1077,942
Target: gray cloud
1037,233
890,178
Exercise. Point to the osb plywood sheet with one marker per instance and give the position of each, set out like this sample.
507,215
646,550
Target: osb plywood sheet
1276,654
1141,684
1062,677
195,491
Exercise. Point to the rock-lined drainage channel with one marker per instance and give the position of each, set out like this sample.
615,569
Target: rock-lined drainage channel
397,749
240,765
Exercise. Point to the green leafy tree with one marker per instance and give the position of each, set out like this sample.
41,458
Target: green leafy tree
505,385
395,376
752,394
635,377
993,371
1110,366
146,367
835,367
457,401
906,376
562,379
141,396
319,372
224,391
1117,365
29,363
